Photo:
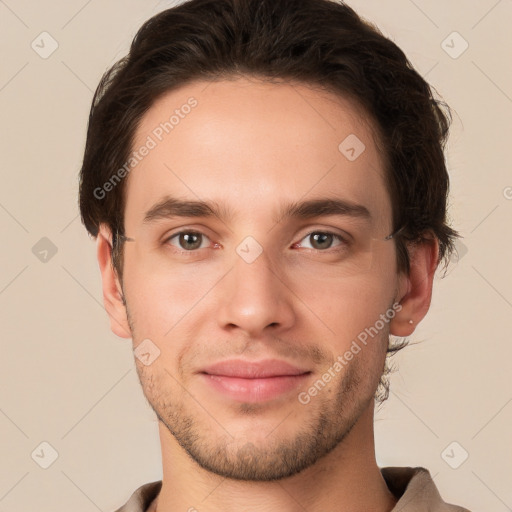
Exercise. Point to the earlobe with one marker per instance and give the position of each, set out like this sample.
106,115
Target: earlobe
415,288
113,299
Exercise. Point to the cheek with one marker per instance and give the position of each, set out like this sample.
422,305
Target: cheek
347,305
160,295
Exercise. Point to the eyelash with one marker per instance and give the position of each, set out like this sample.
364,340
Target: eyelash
344,242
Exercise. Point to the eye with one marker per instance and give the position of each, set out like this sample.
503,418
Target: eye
191,241
188,240
322,240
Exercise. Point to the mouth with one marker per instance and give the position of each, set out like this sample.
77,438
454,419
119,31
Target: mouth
261,381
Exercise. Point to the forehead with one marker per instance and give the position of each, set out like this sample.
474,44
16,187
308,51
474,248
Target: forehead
253,146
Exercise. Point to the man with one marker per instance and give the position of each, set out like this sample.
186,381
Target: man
267,185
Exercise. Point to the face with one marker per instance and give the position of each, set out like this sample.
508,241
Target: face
253,284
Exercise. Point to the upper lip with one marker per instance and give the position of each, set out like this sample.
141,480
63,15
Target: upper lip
253,369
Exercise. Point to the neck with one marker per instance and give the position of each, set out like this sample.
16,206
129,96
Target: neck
347,477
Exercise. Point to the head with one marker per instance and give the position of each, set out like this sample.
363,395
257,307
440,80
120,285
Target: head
254,107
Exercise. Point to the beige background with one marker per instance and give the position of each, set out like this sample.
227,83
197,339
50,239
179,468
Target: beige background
68,381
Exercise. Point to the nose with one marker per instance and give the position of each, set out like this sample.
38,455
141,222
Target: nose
255,297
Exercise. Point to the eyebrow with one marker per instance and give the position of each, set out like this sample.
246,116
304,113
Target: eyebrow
170,207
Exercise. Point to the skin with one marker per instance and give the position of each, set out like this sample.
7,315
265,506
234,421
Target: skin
252,146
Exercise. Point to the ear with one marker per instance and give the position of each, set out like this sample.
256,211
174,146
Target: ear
112,290
415,288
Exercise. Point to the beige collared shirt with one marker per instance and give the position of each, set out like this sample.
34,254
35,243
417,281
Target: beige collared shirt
413,487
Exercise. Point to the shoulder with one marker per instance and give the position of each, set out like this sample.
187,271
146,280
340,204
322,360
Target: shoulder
416,490
141,499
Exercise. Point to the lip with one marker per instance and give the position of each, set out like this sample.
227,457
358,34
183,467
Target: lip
253,369
260,381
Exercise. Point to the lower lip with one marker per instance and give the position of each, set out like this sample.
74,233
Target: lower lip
255,390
